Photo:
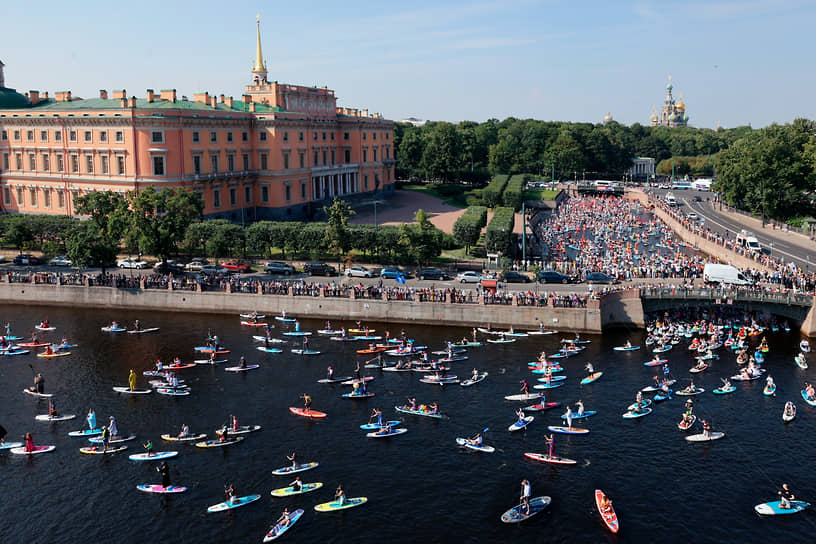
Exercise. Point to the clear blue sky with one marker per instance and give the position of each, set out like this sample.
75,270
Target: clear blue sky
736,62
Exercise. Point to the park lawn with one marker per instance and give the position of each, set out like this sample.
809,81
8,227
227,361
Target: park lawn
539,194
457,200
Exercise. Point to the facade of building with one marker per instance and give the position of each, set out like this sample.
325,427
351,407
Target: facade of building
643,168
672,114
281,152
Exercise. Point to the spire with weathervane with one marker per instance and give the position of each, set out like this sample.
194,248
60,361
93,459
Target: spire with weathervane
259,68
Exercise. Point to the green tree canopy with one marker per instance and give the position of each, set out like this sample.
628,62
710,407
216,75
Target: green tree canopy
161,218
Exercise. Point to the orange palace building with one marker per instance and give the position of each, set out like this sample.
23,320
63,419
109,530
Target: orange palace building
281,152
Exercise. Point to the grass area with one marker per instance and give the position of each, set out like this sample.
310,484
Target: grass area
539,194
450,194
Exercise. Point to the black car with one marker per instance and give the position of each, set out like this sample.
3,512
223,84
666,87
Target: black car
25,258
551,276
277,267
511,276
168,268
599,277
319,269
432,274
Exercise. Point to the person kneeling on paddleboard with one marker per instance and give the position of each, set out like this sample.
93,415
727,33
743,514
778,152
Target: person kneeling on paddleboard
297,485
224,433
785,497
185,431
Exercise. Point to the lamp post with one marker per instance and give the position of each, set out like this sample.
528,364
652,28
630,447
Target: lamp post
807,266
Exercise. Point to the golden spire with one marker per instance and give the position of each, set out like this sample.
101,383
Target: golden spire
259,67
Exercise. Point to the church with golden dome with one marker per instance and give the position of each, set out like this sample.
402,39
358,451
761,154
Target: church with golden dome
672,114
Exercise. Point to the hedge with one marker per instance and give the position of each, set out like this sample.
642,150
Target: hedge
513,192
499,234
491,195
468,227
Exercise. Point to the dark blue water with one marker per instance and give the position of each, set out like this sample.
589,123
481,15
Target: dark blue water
421,486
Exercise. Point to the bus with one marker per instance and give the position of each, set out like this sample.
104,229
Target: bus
604,185
681,184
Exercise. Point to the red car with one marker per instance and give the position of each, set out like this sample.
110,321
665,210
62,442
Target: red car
237,266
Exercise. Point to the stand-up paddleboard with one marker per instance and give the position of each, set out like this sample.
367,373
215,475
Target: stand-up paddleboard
774,508
351,381
297,333
293,469
289,491
392,432
241,368
631,414
219,443
113,329
465,443
544,458
686,425
552,385
305,352
501,340
143,331
329,332
253,324
624,348
271,340
157,456
40,395
285,319
376,426
269,350
10,445
609,517
99,450
661,396
41,328
702,437
128,391
357,395
698,368
281,528
643,404
54,354
655,363
541,333
519,425
209,361
172,392
517,513
541,407
362,331
113,440
552,379
689,392
229,505
335,505
786,416
17,352
591,378
157,384
334,380
46,417
303,412
473,381
576,415
524,397
243,429
208,349
567,430
190,438
439,381
34,344
810,401
35,451
724,390
155,488
424,413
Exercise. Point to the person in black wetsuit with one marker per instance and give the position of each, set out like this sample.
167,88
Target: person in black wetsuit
164,470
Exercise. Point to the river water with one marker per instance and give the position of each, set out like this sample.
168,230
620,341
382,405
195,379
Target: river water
421,486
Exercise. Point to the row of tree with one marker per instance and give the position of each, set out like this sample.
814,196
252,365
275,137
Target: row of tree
470,151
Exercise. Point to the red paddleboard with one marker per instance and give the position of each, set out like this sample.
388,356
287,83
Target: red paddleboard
179,367
550,459
34,344
541,407
610,518
306,413
253,324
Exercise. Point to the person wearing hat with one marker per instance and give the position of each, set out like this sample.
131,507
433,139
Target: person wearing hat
330,373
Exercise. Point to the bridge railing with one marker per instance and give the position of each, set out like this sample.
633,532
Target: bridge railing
739,295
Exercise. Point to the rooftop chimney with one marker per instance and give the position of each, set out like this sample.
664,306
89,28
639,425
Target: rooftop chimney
34,97
120,93
168,94
221,98
45,95
103,94
214,101
202,97
123,102
229,102
150,95
132,102
252,107
63,96
247,98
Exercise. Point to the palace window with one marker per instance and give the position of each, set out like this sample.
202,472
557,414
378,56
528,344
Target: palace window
325,156
214,163
347,156
61,200
365,135
43,135
303,191
248,195
104,164
286,160
32,195
72,135
315,136
316,160
16,135
264,193
196,137
332,136
365,155
32,162
324,136
120,136
158,166
3,134
196,164
120,165
375,154
365,181
6,196
374,136
229,137
300,136
332,156
6,161
18,160
20,197
302,159
263,160
60,163
245,136
30,135
87,136
288,193
103,136
57,135
46,162
285,136
245,158
216,198
47,197
233,196
262,136
213,137
157,137
89,164
231,162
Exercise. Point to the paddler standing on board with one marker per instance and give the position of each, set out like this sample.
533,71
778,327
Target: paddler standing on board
526,492
307,402
525,387
590,370
164,470
550,444
376,412
340,496
293,458
132,380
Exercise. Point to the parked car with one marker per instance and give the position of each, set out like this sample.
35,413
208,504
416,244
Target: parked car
511,276
277,267
60,260
169,268
392,273
319,269
25,258
212,270
131,263
195,265
551,276
432,274
599,277
692,216
359,272
237,266
469,276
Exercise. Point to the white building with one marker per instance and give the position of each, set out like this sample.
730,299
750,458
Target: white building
642,168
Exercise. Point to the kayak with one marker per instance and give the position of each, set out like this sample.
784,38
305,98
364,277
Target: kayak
10,445
281,528
519,425
591,378
568,430
769,390
157,456
464,442
269,350
307,413
99,450
810,401
86,432
703,438
288,491
241,368
541,407
305,352
37,449
54,354
376,426
357,395
624,348
243,429
128,391
473,381
609,517
424,413
229,505
46,417
378,434
98,440
576,415
524,396
544,458
774,508
172,392
634,415
516,514
335,505
297,468
154,488
143,331
191,438
683,426
219,443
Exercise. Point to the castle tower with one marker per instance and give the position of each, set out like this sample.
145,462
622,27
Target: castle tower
259,67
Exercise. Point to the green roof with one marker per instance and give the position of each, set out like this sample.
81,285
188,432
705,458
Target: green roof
116,104
9,98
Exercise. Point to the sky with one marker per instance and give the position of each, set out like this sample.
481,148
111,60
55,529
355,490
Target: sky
736,62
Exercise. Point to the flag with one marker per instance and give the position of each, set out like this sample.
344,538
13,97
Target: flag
400,278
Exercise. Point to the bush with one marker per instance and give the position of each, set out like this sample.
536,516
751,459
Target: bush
492,193
447,189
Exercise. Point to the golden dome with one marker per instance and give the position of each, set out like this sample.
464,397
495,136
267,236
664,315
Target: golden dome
681,106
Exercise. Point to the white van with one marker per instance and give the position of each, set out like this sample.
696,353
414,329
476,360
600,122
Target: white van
748,241
670,200
724,273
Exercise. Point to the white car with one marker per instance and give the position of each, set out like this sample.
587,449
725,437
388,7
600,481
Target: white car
60,260
692,216
359,272
131,263
469,277
195,265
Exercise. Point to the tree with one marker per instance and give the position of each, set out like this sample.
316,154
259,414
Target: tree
441,156
227,239
336,237
420,241
161,218
87,246
18,233
108,218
